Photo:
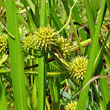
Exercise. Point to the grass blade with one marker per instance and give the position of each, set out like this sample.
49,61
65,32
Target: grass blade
83,96
108,4
56,89
100,52
17,65
95,8
65,3
29,15
57,22
77,19
90,18
31,5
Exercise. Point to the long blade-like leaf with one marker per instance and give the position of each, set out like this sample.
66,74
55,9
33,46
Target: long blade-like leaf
17,65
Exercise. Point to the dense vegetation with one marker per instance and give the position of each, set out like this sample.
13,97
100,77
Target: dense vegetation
54,55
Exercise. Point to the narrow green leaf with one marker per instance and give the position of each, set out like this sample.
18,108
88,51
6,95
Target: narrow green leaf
108,4
92,29
21,20
77,19
17,65
29,15
31,5
95,8
100,52
83,96
57,22
65,3
91,22
56,89
56,19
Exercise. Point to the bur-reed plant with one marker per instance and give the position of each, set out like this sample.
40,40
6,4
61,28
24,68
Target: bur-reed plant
53,34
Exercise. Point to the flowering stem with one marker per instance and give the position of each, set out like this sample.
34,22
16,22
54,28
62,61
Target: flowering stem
69,17
42,61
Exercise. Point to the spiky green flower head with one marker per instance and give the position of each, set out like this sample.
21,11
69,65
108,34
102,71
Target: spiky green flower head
63,47
71,106
79,66
46,37
3,43
29,43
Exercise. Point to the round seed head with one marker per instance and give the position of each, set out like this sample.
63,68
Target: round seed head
71,106
63,47
78,67
29,43
45,37
3,43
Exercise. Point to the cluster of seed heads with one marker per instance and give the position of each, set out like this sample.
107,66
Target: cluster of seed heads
3,43
63,47
78,67
44,38
47,39
71,106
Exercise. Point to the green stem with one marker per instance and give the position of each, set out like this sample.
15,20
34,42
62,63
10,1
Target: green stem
42,60
42,81
51,91
77,38
35,100
56,89
50,74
